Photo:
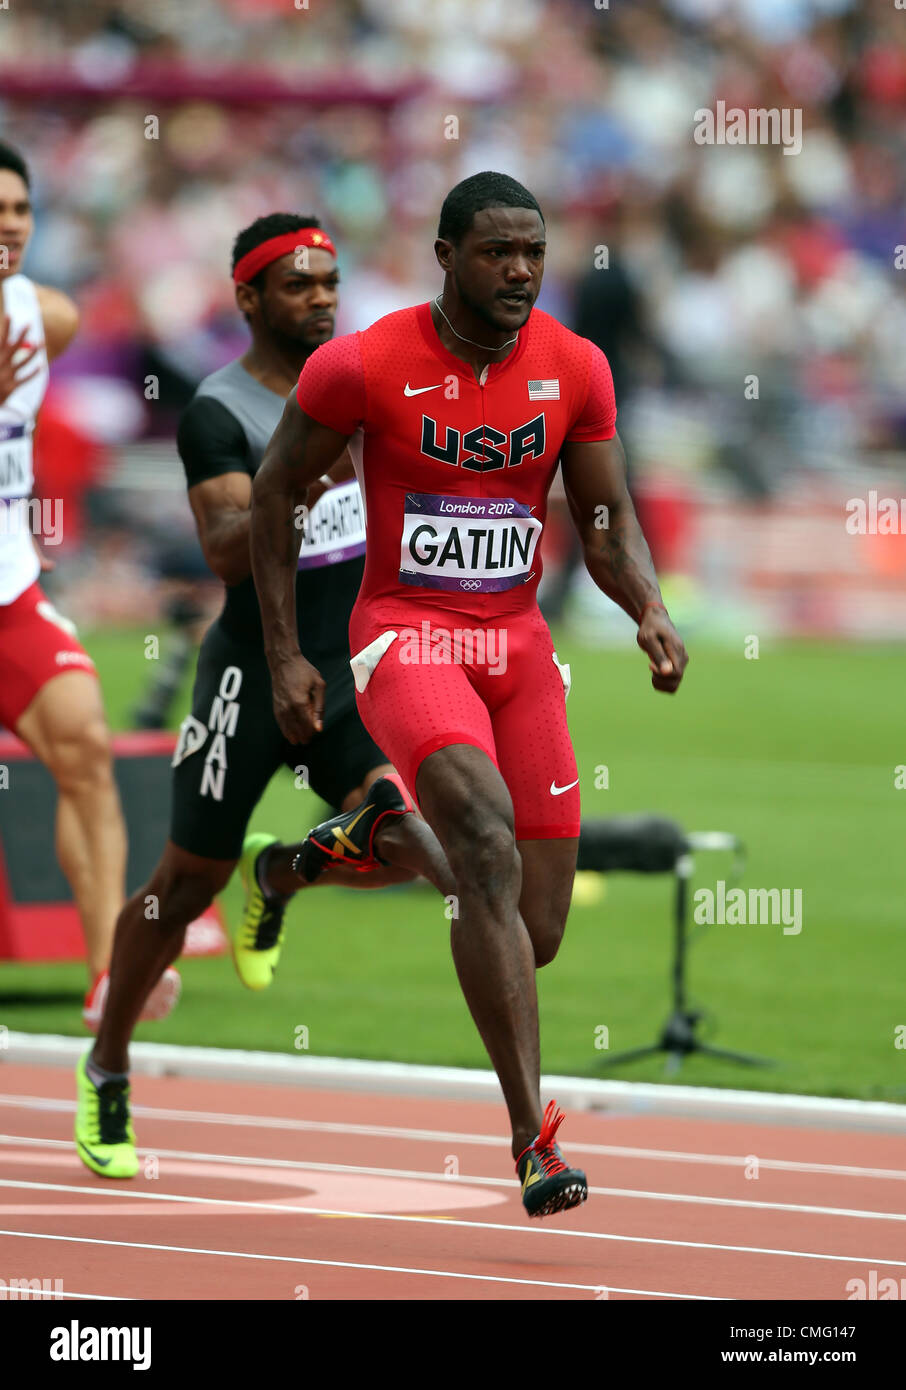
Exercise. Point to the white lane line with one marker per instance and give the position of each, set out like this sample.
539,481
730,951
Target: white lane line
455,1137
638,1194
347,1264
445,1221
780,1165
95,1297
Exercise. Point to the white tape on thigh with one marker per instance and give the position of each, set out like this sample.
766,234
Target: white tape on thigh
565,674
363,664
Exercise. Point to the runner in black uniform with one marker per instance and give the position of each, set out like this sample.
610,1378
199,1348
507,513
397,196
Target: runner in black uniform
230,745
217,782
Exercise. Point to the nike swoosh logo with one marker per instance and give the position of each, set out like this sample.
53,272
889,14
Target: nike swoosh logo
420,391
102,1161
558,791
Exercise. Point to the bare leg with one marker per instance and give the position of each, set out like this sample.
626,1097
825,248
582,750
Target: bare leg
466,803
74,858
149,936
548,870
65,727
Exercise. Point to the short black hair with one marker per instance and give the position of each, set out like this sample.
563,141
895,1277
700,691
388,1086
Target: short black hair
12,159
479,191
261,230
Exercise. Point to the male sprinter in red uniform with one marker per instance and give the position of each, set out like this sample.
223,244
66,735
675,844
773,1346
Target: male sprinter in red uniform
467,405
49,692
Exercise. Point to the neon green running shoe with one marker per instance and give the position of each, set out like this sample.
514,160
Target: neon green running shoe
259,936
104,1138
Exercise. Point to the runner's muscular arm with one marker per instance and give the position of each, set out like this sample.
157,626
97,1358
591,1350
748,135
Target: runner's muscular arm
300,451
60,317
215,453
616,553
222,508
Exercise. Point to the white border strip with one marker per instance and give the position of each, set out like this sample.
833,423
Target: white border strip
462,1083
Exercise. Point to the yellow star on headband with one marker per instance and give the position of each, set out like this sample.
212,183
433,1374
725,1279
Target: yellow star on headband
317,238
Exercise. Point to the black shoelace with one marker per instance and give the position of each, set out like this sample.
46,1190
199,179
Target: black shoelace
269,926
113,1112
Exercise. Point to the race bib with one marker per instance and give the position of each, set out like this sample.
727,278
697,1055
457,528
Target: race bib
335,529
16,479
467,544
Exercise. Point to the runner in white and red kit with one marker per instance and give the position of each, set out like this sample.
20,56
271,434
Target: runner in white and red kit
49,693
466,406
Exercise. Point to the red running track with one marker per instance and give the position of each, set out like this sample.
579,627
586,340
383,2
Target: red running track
258,1192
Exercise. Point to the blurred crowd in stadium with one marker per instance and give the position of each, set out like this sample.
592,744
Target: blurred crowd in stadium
694,267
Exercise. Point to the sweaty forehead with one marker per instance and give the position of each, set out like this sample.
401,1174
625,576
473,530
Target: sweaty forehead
522,224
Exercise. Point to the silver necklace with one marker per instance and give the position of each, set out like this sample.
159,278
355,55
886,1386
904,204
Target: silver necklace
470,341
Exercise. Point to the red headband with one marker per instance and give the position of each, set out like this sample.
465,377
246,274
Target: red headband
269,251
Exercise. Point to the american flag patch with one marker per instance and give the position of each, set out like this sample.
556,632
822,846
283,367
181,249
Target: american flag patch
544,390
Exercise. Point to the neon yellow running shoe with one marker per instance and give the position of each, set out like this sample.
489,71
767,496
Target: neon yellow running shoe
104,1138
259,936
